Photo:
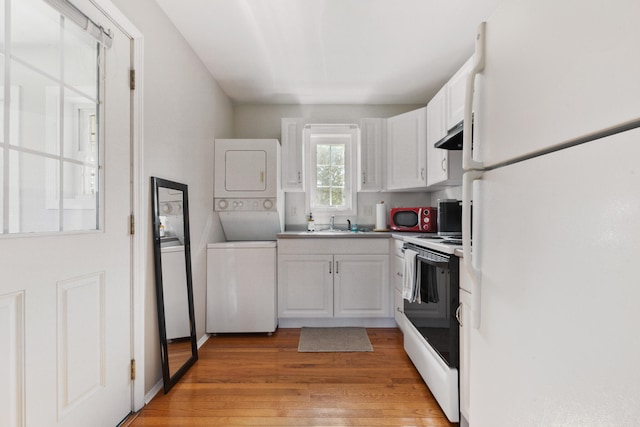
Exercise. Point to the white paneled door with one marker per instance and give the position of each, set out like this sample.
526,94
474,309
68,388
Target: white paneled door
65,296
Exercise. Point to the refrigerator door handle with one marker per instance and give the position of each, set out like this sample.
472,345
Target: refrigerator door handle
467,130
476,274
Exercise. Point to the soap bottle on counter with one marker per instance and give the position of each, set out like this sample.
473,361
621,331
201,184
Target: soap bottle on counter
311,226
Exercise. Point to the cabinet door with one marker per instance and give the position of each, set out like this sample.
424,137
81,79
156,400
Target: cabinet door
456,89
406,150
444,167
465,332
436,130
361,286
292,173
305,285
370,155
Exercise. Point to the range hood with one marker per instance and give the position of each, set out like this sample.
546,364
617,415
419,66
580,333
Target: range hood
453,140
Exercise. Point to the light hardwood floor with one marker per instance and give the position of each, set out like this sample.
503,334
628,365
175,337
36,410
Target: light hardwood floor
257,380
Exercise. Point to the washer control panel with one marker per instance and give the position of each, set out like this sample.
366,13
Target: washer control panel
247,205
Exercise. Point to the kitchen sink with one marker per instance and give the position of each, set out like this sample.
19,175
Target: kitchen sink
326,232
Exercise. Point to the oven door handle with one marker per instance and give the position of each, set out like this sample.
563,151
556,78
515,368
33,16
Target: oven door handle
440,264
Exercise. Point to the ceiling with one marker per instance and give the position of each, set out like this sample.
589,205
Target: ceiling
330,51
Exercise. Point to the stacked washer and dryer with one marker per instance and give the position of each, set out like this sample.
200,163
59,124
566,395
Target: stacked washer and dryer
241,272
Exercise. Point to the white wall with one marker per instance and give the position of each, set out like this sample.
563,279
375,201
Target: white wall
184,111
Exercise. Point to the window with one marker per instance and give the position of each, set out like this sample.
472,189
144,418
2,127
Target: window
331,156
50,112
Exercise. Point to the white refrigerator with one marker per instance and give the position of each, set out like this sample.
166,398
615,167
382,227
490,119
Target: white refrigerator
553,174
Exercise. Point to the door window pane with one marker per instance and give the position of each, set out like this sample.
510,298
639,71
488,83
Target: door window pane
39,109
79,203
51,158
80,128
31,207
35,35
80,67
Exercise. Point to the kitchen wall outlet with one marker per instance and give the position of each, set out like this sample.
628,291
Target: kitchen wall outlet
368,210
294,211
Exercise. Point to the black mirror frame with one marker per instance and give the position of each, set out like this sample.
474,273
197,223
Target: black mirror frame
170,381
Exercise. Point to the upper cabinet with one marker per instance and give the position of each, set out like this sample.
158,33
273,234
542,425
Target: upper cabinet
456,89
371,155
444,167
406,151
444,112
292,178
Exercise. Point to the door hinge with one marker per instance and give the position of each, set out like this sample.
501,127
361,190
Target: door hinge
132,224
133,369
132,79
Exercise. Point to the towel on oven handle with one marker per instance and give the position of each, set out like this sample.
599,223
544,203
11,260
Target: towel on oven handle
409,287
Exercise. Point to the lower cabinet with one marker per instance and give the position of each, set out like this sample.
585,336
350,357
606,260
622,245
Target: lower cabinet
332,284
305,286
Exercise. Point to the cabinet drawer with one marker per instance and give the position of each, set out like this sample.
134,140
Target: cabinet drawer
397,247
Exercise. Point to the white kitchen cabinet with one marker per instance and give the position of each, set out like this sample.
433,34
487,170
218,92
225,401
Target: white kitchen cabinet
305,285
359,286
345,277
456,89
406,151
292,165
444,167
371,155
464,316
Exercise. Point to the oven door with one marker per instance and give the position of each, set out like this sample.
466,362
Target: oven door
434,317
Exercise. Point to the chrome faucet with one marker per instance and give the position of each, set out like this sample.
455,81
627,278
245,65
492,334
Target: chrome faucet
332,222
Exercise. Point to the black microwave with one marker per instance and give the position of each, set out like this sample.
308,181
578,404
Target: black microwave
449,217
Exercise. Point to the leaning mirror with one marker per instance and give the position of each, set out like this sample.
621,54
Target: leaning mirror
174,291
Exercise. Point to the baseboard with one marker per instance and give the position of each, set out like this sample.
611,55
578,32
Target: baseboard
327,322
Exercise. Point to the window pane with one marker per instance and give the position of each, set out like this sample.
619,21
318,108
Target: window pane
79,202
337,197
323,152
323,195
337,154
38,109
337,176
80,66
35,35
33,193
80,128
323,177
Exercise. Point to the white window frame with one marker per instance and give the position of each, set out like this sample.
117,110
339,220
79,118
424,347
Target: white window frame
350,134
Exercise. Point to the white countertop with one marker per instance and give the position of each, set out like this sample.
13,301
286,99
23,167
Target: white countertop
435,244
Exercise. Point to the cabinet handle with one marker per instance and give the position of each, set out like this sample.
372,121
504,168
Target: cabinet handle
330,266
443,164
422,173
262,177
399,274
399,310
364,177
299,177
337,265
458,315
